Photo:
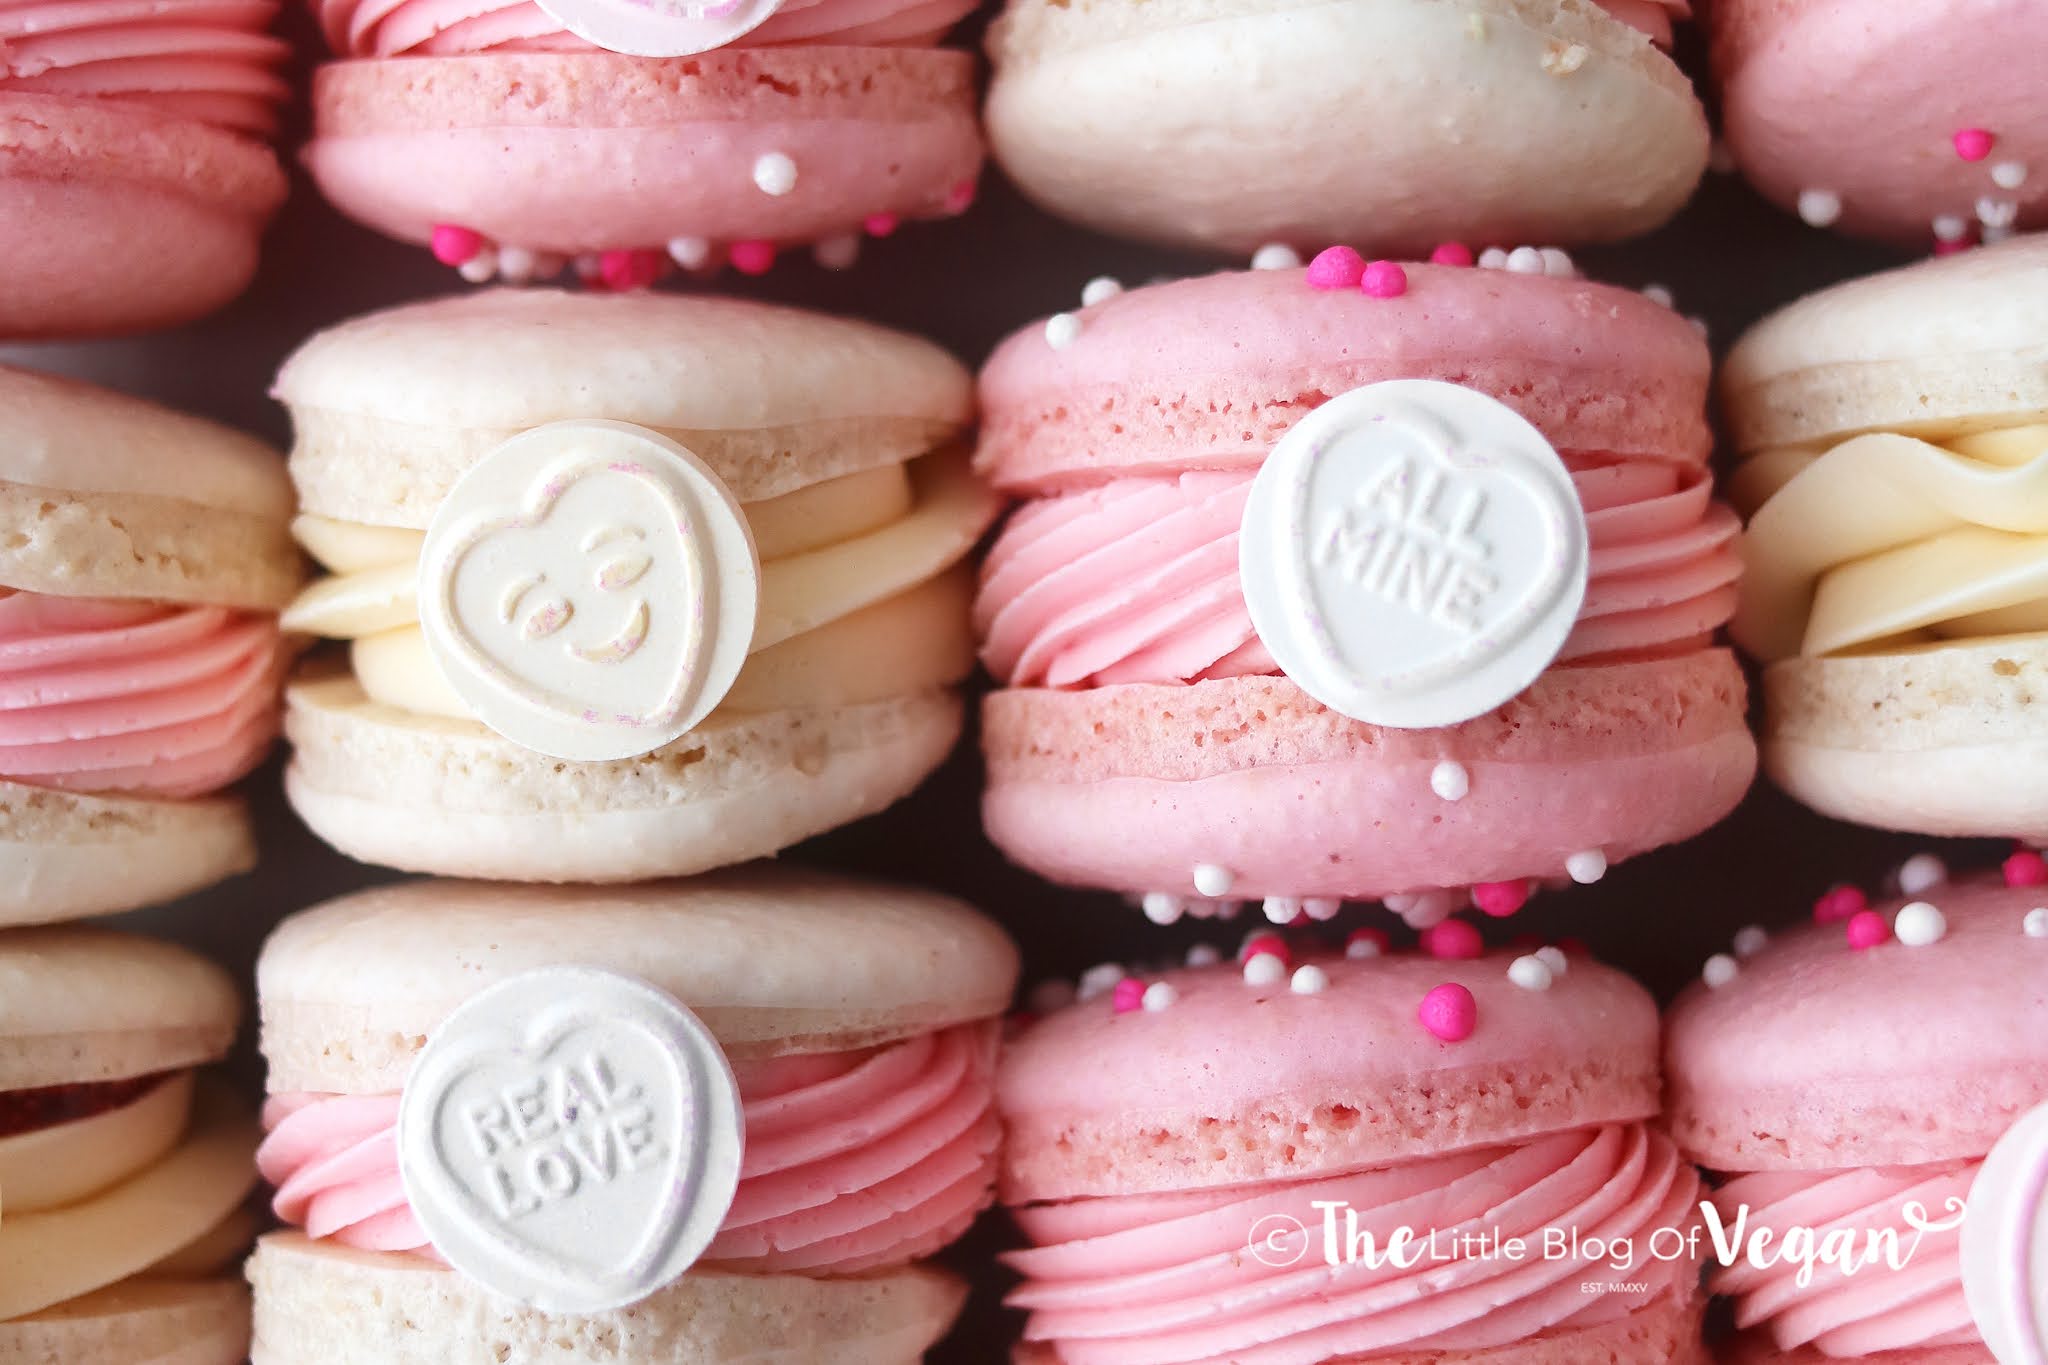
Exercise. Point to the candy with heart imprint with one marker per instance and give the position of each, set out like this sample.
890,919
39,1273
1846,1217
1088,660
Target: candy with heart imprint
1413,553
589,589
571,1139
661,28
2005,1244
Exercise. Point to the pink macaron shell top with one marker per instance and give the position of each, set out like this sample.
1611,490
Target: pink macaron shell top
210,61
1235,1083
1865,103
397,28
133,697
853,1160
1209,373
1819,1057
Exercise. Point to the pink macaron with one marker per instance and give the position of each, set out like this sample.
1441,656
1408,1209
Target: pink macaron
1915,120
516,140
1146,739
1842,1073
1183,1145
134,175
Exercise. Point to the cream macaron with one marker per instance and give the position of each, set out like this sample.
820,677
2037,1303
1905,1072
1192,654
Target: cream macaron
854,1024
1894,433
122,1180
144,556
633,586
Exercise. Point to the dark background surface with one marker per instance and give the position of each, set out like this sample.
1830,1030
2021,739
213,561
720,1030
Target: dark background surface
1729,259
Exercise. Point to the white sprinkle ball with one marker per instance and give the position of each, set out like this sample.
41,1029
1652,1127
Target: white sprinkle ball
1204,955
1162,907
1950,227
1587,866
1309,980
1281,909
1750,940
837,253
2009,175
1212,880
2035,925
1362,947
775,173
480,268
1321,908
1493,258
1062,330
1158,996
1525,260
1919,924
691,253
1100,979
1921,872
1099,290
1719,971
1657,293
1276,256
1553,957
1531,973
1264,969
1819,208
1450,780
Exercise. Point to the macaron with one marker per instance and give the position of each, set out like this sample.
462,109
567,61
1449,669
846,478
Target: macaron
1915,122
515,138
858,1021
1500,121
582,712
1894,442
1168,717
1208,1161
135,171
122,1178
144,559
1852,1074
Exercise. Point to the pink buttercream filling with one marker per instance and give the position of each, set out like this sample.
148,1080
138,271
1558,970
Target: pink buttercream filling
1169,1280
209,60
395,28
1876,1309
1136,580
853,1160
133,697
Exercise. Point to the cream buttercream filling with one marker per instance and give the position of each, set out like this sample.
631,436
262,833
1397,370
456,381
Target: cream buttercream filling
1886,541
861,597
171,1213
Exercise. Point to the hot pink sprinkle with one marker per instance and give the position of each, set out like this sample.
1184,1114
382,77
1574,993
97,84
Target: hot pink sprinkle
1128,995
753,257
1867,929
1973,144
1838,903
880,224
456,245
1500,899
1376,937
1265,943
1574,947
1336,267
960,198
1384,280
2026,868
627,270
1449,1012
1454,938
1942,248
1452,253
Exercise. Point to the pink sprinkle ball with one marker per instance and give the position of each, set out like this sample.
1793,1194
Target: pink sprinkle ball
1867,929
1265,943
1973,144
960,198
2026,868
1129,995
1452,253
1838,903
628,270
1454,939
1449,1012
753,257
879,224
456,245
1384,280
1500,899
1942,248
1336,267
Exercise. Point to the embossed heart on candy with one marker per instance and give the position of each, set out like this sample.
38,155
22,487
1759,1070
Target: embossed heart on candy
571,1139
1413,553
590,589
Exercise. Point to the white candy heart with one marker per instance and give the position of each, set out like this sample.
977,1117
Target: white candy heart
570,1139
589,589
1413,553
661,28
2005,1244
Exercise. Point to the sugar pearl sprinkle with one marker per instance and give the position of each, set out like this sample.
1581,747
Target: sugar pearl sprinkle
1450,781
1657,293
1921,872
1062,330
1276,256
1950,227
2009,175
1449,1012
691,253
1531,973
1204,955
1212,880
1553,957
1587,867
1751,940
1101,289
775,174
1158,996
1719,971
1309,980
1162,907
2035,925
1366,943
1099,980
1264,969
837,253
1281,909
1919,924
1819,208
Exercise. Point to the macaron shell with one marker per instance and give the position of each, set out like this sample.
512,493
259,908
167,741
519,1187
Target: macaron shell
143,1320
318,1303
427,794
1758,1350
579,152
1133,786
1819,1057
67,856
1865,101
1210,372
1946,739
1502,120
115,218
774,961
1234,1083
1947,345
79,1006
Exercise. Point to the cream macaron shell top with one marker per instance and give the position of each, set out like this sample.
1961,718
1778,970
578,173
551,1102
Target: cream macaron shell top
830,435
119,1216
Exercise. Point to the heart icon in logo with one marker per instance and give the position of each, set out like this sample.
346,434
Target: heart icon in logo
589,589
571,1139
1413,553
